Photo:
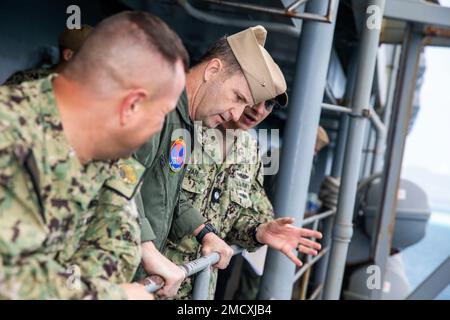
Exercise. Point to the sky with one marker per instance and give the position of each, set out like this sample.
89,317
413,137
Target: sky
428,144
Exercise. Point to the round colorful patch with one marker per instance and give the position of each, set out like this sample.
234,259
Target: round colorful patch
177,155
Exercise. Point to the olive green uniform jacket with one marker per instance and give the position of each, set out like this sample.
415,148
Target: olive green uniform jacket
163,211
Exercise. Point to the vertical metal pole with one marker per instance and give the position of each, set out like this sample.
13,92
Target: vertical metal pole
339,151
377,165
322,265
298,147
343,228
336,170
201,284
307,274
398,130
367,150
370,147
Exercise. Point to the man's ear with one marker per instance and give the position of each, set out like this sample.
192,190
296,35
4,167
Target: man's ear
213,68
67,54
131,105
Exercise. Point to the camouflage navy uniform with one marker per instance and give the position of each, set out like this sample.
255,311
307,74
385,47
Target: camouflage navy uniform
67,230
27,75
229,194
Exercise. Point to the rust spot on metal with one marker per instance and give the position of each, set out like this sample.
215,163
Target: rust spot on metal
291,14
439,32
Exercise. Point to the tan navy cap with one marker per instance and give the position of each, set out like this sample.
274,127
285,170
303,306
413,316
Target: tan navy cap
264,77
73,38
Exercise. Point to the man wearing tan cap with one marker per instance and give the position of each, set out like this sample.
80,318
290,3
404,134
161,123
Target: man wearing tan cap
70,40
235,73
263,75
227,187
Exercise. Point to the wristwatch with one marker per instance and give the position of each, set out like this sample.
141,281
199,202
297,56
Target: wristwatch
207,229
254,235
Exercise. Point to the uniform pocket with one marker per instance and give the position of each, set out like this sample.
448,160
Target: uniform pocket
240,190
195,180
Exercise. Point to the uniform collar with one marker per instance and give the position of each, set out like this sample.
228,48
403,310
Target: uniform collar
183,108
48,107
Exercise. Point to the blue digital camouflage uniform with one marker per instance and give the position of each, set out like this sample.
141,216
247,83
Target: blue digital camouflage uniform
230,195
67,230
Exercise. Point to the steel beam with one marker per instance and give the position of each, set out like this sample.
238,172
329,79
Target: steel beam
418,12
382,134
385,220
437,281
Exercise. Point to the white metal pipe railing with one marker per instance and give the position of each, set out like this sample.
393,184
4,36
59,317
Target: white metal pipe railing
202,265
309,264
155,282
318,217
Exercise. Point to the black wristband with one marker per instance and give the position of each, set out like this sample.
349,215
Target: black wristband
255,230
207,229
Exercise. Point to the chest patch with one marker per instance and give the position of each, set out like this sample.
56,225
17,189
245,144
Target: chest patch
177,156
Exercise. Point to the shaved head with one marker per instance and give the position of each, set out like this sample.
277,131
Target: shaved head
121,51
115,92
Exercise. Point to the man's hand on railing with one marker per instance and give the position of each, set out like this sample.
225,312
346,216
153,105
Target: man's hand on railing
281,235
156,263
212,243
136,291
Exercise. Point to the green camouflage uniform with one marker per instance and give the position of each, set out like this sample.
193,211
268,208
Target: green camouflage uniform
67,230
27,75
230,195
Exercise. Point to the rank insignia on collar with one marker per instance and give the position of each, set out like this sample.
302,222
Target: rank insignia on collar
128,174
177,155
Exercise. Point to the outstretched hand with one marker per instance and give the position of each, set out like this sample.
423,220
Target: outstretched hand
281,235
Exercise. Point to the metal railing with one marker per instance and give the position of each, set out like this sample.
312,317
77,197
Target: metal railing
306,269
201,267
290,11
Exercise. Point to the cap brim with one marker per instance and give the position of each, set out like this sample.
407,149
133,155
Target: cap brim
282,99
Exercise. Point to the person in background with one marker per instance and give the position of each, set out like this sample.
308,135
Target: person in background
70,41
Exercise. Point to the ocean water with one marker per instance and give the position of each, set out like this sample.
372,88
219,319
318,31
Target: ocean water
422,258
